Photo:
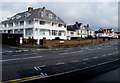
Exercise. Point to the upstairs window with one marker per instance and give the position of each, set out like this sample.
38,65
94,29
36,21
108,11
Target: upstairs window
56,18
10,24
18,16
42,22
53,24
49,15
41,14
30,22
59,25
27,14
5,25
21,22
16,23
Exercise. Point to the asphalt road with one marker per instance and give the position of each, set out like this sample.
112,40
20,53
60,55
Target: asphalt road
22,63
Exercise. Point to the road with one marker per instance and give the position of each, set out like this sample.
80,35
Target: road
24,63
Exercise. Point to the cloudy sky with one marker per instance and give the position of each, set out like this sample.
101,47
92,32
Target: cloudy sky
97,14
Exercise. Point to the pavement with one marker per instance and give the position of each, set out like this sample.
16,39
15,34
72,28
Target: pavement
23,64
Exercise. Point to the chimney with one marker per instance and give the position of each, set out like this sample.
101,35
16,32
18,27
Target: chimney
44,8
88,25
30,9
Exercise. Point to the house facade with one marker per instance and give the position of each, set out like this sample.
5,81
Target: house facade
35,23
106,33
78,30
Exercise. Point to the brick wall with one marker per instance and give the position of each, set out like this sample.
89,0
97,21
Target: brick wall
48,43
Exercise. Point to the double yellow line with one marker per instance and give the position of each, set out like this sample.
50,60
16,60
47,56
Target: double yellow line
22,79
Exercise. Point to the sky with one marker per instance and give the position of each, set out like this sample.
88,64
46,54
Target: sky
97,14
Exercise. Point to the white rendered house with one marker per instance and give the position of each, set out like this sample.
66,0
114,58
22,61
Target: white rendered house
35,23
105,33
79,31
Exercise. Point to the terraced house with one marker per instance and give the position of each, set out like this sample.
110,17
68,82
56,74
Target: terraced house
35,23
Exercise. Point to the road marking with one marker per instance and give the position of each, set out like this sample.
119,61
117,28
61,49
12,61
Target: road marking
20,59
39,67
42,66
95,57
8,51
86,59
110,54
61,63
75,61
91,49
36,68
43,75
23,79
98,48
25,54
38,49
25,50
18,51
71,52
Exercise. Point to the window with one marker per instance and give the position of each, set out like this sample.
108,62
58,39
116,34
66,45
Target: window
54,32
13,18
61,33
16,23
18,16
42,22
42,32
29,32
27,14
10,24
52,24
21,22
5,25
59,25
30,22
49,15
41,14
72,33
56,18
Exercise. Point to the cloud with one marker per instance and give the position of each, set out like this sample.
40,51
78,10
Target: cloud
97,14
60,0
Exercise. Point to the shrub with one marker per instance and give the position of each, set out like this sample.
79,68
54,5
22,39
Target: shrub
89,37
32,41
57,38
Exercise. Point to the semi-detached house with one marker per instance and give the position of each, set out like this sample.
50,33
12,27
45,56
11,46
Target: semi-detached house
35,23
78,30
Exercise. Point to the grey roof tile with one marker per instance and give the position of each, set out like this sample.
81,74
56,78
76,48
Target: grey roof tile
35,14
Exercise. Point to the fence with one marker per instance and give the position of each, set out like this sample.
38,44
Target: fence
48,43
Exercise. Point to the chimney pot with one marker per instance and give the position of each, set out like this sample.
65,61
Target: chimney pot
30,9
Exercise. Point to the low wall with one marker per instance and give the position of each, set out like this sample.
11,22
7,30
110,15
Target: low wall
48,43
10,38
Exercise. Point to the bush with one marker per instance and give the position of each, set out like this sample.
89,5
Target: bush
57,38
89,37
32,41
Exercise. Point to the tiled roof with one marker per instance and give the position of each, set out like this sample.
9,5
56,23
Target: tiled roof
36,14
104,31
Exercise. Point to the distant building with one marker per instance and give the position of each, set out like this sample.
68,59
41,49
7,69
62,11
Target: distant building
78,30
106,33
117,34
35,23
